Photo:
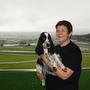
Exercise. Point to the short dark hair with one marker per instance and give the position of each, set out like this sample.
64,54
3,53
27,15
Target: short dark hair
65,23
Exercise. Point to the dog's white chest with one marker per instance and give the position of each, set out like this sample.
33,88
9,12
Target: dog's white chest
46,51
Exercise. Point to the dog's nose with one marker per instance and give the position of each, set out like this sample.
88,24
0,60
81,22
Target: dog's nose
48,45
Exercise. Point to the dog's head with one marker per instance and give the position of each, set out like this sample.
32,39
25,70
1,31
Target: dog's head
45,39
44,42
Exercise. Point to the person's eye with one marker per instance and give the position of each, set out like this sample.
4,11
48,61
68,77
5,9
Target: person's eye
57,30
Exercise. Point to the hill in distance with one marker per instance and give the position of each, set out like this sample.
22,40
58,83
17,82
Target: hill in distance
35,35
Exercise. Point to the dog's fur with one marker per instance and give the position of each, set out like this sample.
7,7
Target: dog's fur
45,45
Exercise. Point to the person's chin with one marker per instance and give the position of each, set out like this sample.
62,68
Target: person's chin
60,40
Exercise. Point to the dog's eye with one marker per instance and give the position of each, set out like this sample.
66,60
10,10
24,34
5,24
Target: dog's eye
44,38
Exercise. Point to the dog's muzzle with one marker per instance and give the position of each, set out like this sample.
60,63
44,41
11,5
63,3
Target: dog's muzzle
46,45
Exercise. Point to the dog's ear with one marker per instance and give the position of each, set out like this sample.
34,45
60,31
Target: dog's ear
39,61
39,49
50,39
52,49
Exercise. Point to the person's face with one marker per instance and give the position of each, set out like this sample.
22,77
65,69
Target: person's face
62,34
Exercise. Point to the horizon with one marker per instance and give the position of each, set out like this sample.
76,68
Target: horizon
38,32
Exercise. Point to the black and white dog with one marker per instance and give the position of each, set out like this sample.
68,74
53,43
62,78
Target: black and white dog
46,46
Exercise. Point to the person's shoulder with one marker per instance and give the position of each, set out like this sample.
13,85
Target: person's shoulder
75,46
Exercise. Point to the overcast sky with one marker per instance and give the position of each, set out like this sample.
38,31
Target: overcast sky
42,15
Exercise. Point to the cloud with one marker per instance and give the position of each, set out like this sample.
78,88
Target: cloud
39,15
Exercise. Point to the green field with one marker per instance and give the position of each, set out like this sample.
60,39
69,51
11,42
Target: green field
13,57
18,48
20,60
86,60
20,80
19,57
28,81
85,80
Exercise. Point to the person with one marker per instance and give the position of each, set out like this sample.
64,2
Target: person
71,58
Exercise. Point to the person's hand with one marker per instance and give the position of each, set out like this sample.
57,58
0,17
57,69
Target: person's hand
44,58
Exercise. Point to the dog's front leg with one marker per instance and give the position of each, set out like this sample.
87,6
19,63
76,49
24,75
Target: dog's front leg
59,62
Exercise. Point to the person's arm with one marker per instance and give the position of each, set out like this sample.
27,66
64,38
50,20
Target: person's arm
63,74
44,58
59,72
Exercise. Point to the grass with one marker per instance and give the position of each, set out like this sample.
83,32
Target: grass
85,80
12,57
19,81
18,48
15,57
86,60
28,65
28,81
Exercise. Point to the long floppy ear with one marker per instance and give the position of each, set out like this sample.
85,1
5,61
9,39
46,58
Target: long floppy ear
39,61
52,49
39,48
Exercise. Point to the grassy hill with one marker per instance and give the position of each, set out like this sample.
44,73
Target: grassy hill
84,38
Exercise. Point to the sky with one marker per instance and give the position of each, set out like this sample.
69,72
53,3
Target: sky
42,15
